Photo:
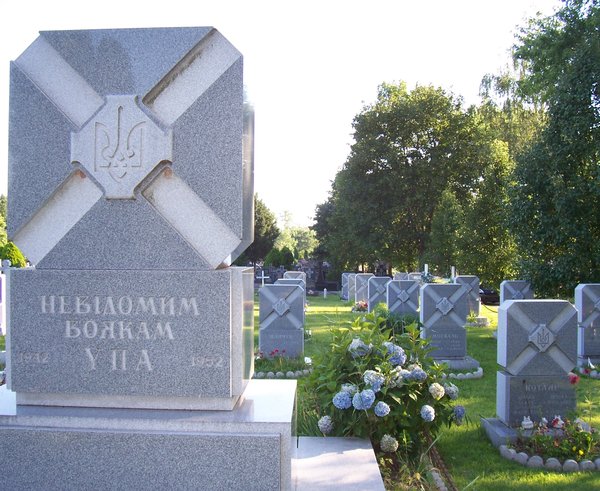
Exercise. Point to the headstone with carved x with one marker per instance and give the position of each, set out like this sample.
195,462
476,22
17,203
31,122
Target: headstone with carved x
471,285
403,297
443,314
362,287
351,287
537,347
377,288
344,293
294,275
515,290
587,303
281,320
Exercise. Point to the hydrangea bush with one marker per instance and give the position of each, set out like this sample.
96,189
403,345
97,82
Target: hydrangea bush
374,385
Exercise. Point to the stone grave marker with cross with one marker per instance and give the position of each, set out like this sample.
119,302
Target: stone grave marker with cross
515,290
471,285
131,191
281,320
403,297
377,288
362,287
443,314
587,303
295,275
537,348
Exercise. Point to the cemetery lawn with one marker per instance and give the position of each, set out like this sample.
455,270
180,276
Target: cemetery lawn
467,452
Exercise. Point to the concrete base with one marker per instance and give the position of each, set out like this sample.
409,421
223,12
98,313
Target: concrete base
96,448
479,322
499,433
460,364
321,464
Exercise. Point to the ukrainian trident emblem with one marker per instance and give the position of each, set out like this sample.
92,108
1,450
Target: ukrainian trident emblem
120,146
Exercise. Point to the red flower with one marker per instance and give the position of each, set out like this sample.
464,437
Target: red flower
573,378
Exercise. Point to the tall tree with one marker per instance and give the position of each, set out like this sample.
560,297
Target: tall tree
555,213
409,147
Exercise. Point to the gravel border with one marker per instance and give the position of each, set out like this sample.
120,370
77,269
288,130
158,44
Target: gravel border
465,376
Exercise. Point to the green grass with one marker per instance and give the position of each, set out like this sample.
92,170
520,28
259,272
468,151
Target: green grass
466,450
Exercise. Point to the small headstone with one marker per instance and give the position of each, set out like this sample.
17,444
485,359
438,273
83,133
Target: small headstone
403,297
587,303
515,290
362,287
377,289
294,275
281,320
471,286
401,276
443,315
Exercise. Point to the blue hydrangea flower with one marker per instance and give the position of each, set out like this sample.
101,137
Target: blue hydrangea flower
459,414
382,409
342,400
374,379
388,444
358,348
418,374
427,413
350,388
451,391
363,400
325,425
398,355
436,391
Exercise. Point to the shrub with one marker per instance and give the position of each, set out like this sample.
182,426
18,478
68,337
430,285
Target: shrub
11,252
387,389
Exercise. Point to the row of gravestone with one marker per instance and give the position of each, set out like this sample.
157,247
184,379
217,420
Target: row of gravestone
281,316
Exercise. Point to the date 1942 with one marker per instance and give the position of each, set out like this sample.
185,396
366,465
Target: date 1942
32,357
207,361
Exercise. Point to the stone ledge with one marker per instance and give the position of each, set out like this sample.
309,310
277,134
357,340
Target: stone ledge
325,463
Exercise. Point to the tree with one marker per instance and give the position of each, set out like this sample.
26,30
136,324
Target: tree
444,239
265,234
554,199
409,147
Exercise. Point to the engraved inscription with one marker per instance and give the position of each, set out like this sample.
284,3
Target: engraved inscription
542,338
104,319
32,357
444,306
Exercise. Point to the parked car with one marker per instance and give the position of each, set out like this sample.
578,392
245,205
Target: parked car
488,296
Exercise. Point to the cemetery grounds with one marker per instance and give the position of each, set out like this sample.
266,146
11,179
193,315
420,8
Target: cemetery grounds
467,453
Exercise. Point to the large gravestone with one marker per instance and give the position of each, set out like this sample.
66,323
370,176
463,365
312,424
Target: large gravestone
131,190
515,290
403,297
295,282
587,303
537,342
281,320
376,289
362,287
443,315
351,287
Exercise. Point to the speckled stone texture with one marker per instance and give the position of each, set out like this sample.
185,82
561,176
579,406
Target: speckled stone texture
83,448
209,133
154,335
376,290
351,287
344,293
403,297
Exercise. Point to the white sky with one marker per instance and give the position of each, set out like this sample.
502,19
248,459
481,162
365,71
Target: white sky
310,66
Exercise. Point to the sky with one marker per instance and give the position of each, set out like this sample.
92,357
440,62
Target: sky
309,66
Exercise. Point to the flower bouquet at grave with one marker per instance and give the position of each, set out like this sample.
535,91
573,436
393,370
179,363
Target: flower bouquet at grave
387,389
360,306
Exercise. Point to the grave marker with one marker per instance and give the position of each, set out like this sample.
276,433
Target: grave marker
376,290
403,297
587,303
515,290
362,287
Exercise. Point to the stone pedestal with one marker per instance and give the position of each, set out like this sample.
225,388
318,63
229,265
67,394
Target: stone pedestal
139,449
